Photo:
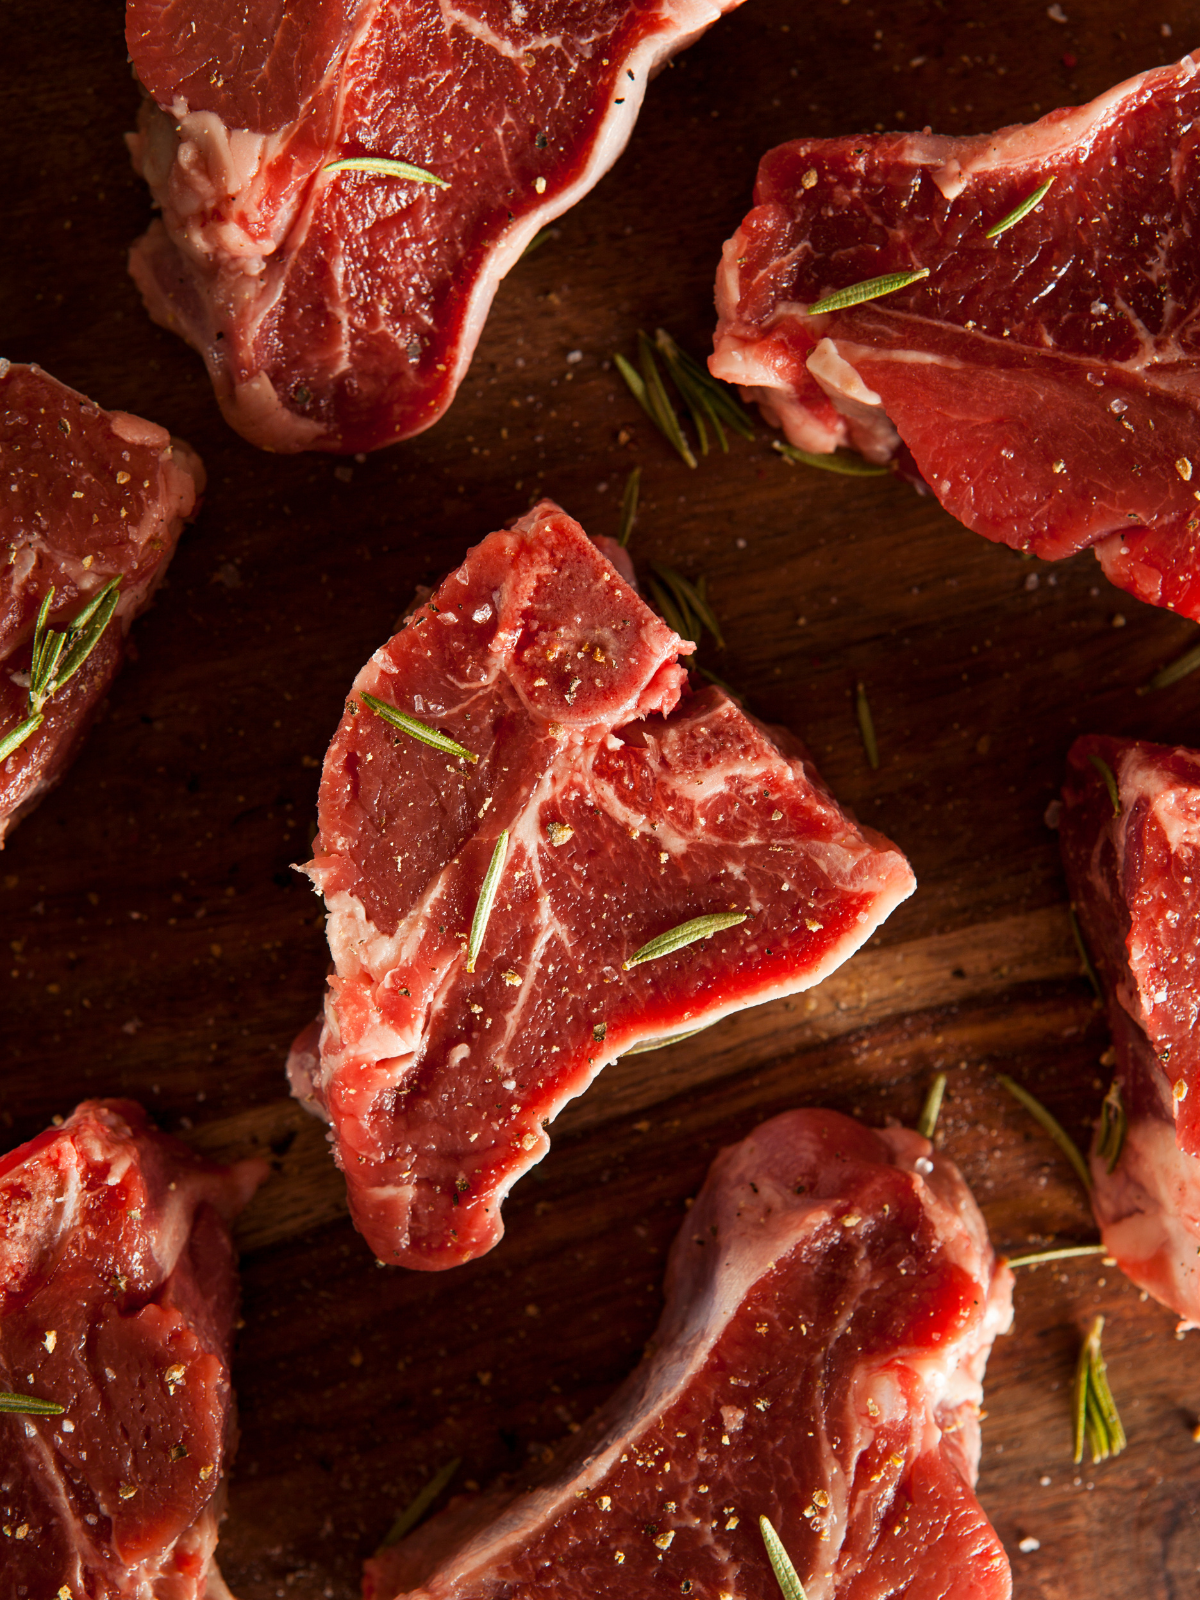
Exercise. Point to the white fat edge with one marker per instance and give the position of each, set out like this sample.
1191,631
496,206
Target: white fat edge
263,419
874,434
1149,1212
1174,805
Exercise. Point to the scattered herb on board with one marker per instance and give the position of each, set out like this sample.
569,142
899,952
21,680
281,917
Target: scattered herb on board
29,1405
538,240
1111,1134
928,1120
709,401
420,1504
385,167
1181,667
1110,782
1052,1126
415,729
866,726
1018,212
646,1045
856,294
844,462
1066,1252
1088,969
57,657
487,896
629,505
1096,1418
666,944
692,601
781,1563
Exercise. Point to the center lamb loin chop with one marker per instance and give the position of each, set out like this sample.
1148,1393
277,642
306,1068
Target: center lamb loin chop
339,311
831,1301
1046,381
118,1293
631,806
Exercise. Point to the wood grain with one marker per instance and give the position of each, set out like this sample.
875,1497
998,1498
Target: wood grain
160,945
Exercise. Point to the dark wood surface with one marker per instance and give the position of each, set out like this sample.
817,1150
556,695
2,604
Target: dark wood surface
158,944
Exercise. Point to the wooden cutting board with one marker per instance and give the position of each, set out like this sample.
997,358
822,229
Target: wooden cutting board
159,945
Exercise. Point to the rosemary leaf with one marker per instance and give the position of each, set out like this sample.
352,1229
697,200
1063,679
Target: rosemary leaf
385,167
706,397
928,1120
415,729
1023,210
83,633
690,600
1065,1253
1110,782
646,1045
686,933
866,726
1088,969
870,289
672,615
30,1406
16,737
1174,671
636,387
420,1504
781,1563
487,896
1095,1411
658,403
1052,1126
629,505
1111,1134
844,462
538,240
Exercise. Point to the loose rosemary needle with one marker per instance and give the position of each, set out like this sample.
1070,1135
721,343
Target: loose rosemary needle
1181,667
1023,210
1066,1252
1096,1419
931,1110
487,897
1113,1123
1052,1126
856,294
385,167
1110,782
686,933
781,1563
30,1406
866,726
417,730
844,462
629,505
1089,970
420,1504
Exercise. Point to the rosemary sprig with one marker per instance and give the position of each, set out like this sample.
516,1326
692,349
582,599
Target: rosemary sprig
629,505
1052,1126
29,1405
420,1504
385,167
666,944
870,289
57,657
487,896
844,462
708,400
644,1046
1096,1418
781,1563
1174,671
1088,969
1065,1253
1110,782
1023,210
866,726
1113,1123
691,600
931,1110
415,729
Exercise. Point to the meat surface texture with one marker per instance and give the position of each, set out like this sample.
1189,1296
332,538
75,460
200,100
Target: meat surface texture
831,1301
339,311
1044,382
118,1293
1134,877
91,495
631,805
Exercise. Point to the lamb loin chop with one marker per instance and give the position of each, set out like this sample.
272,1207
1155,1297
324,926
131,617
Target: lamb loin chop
337,308
1040,373
657,860
1132,855
118,1293
93,508
831,1301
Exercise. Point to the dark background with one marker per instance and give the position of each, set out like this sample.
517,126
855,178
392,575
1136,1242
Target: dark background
158,945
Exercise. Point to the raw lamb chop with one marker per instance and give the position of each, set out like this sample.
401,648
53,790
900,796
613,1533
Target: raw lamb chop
91,496
118,1292
340,310
1045,381
1135,879
630,806
831,1301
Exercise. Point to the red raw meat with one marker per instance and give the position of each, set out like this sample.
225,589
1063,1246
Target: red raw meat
632,805
340,311
92,495
118,1293
1045,381
1135,881
831,1301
